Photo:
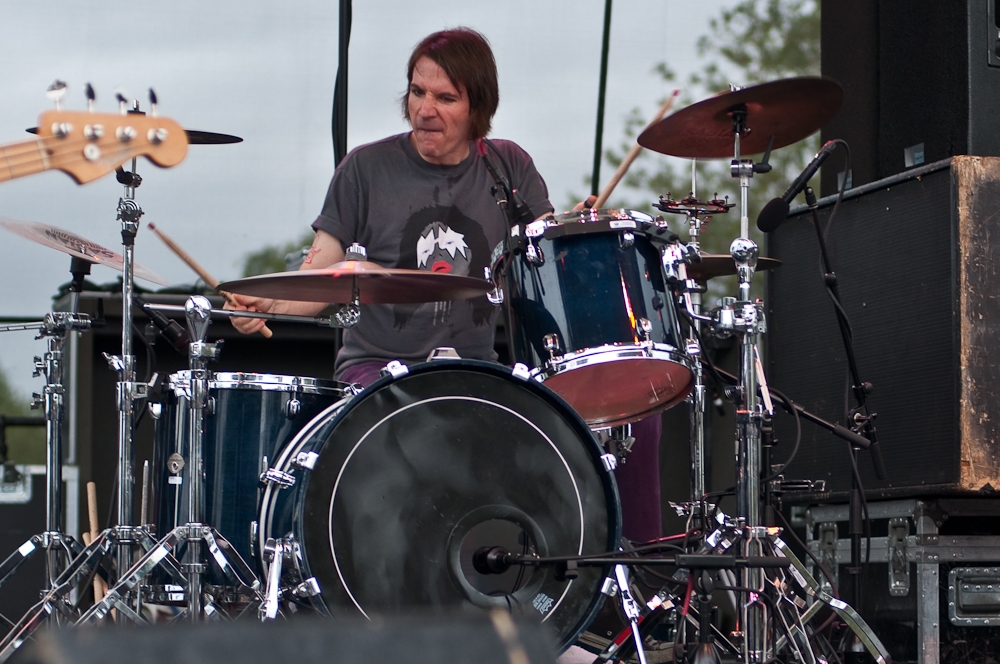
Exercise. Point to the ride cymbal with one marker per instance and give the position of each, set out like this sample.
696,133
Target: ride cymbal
789,110
376,284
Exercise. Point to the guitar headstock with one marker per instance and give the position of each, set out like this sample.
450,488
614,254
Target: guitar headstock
88,145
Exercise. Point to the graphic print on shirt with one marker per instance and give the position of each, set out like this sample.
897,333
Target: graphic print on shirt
442,239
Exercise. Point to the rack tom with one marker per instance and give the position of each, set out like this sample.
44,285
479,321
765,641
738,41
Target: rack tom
587,307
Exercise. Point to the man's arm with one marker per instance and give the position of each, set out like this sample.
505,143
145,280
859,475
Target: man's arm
325,251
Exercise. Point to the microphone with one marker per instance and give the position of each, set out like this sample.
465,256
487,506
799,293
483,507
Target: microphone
518,210
776,210
171,330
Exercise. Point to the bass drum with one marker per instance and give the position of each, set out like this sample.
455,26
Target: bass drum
397,489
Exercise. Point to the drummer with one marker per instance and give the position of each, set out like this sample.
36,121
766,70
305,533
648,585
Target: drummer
421,200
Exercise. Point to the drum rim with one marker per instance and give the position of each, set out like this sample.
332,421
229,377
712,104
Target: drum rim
265,382
603,220
615,352
574,419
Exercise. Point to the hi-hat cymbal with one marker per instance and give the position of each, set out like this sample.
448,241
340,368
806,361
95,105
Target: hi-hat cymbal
376,284
74,245
789,110
720,265
194,136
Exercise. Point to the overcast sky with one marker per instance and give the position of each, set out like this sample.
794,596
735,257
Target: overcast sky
265,70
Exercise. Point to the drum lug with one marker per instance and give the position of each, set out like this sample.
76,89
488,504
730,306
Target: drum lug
521,371
209,406
553,344
292,408
275,476
155,410
609,587
626,239
443,353
609,461
395,369
534,255
643,329
306,460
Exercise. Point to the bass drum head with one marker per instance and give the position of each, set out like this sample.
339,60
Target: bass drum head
420,471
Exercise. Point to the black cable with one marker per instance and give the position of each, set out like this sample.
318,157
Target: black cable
506,166
798,435
843,187
767,598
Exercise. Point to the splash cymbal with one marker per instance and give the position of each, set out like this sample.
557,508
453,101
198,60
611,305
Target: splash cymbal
789,110
74,245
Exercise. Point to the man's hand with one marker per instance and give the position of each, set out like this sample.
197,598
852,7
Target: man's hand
589,203
248,303
325,251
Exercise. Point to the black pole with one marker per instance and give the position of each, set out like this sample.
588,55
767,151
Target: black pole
595,180
339,124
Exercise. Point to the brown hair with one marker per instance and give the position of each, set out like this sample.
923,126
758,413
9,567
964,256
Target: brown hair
466,57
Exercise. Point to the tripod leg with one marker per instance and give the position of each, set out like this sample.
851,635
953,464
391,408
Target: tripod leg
52,601
16,559
846,613
230,561
131,578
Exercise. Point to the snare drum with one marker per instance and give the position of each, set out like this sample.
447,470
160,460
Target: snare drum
396,489
250,417
588,309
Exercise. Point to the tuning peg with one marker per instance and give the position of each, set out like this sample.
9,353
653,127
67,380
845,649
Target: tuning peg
91,96
122,102
56,92
152,102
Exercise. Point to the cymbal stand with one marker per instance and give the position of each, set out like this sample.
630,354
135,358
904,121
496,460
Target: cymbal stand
56,328
128,389
748,322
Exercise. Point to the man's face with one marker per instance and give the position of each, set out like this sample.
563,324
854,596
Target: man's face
439,115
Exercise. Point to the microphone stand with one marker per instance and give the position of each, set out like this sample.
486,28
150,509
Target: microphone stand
861,420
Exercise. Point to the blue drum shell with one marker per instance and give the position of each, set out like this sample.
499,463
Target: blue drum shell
251,418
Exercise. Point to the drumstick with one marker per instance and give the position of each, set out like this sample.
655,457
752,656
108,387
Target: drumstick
201,272
100,588
632,154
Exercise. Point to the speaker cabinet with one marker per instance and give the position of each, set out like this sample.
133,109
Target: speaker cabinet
921,81
917,258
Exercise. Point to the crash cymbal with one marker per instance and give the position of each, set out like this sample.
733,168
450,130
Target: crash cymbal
194,137
720,265
789,110
74,245
375,285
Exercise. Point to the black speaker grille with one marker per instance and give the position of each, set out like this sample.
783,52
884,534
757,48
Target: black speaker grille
892,251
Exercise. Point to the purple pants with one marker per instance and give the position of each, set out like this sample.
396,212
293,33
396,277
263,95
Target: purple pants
638,478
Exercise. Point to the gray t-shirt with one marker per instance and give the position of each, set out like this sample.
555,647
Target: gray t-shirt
411,214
